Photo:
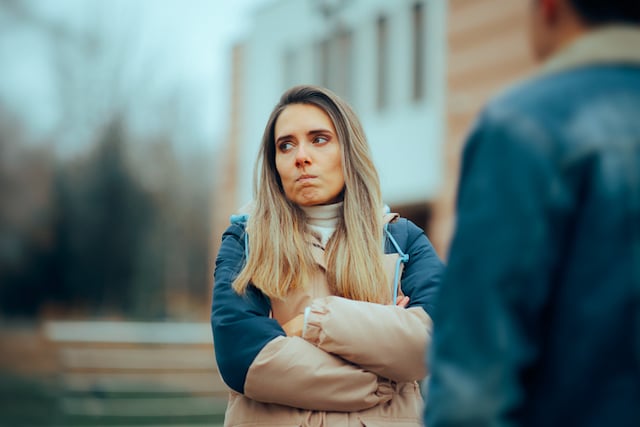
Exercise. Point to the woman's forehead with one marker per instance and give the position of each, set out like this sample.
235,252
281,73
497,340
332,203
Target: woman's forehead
295,118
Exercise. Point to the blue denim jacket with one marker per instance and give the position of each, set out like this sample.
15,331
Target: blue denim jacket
538,317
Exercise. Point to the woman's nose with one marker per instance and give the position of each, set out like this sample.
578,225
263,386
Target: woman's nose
302,156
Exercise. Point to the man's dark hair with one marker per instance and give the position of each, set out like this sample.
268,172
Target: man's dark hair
598,12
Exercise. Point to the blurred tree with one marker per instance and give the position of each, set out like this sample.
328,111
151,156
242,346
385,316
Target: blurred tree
102,216
25,232
102,219
86,250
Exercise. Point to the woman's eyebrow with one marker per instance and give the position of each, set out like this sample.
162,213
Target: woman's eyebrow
317,131
311,132
283,137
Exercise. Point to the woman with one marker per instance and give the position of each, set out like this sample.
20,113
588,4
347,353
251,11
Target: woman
311,324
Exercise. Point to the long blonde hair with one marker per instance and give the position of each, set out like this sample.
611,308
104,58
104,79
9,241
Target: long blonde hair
280,258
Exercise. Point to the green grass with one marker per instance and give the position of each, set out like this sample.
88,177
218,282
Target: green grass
35,402
27,401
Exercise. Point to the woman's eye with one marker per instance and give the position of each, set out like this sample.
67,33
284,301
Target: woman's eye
320,139
285,146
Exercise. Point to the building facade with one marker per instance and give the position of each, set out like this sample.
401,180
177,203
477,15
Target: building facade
415,71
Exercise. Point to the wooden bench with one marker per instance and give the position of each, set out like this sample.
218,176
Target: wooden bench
134,373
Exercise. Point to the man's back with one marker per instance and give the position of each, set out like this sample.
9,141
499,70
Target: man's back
588,369
538,318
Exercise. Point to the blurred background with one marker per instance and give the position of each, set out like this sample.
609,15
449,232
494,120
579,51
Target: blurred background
128,133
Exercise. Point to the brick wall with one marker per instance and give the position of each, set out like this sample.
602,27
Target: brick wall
488,49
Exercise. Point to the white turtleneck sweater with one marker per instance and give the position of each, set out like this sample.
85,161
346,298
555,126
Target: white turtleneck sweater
323,219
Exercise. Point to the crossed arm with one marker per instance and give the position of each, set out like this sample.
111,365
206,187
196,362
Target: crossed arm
343,362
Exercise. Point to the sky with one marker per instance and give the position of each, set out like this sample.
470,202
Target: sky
184,44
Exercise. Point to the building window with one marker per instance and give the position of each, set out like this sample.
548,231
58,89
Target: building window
382,36
289,71
334,63
418,81
342,64
323,68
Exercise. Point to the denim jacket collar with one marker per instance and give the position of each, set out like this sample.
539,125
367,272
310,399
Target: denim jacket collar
609,44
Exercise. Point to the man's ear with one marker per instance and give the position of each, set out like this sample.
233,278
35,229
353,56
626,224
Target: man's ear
549,9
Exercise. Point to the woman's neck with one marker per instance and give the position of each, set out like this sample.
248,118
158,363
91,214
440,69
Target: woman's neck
323,219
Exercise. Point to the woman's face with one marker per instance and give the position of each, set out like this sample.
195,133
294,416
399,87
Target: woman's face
308,156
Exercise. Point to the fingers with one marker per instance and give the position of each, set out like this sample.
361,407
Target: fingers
403,302
294,326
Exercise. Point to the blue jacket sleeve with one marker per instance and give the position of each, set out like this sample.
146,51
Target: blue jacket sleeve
241,324
424,269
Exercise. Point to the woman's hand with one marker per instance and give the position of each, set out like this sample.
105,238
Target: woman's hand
294,326
403,302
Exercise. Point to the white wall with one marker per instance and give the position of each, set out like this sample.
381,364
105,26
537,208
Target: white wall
406,137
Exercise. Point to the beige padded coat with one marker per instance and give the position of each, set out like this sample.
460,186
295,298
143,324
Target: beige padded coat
357,363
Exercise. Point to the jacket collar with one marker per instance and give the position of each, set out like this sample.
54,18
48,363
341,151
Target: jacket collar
317,250
609,44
